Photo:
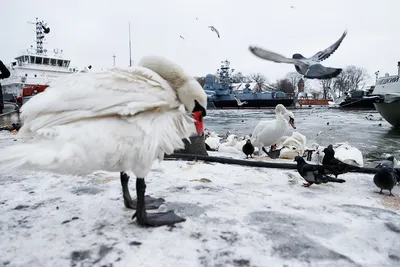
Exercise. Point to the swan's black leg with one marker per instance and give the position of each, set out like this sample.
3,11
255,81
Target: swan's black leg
151,203
151,219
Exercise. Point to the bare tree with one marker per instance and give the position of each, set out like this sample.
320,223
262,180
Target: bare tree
285,85
239,78
351,78
326,84
294,78
356,77
260,80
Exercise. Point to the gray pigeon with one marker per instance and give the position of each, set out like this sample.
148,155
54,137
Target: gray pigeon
388,163
385,178
214,30
309,67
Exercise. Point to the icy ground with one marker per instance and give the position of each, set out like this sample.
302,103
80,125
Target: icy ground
236,216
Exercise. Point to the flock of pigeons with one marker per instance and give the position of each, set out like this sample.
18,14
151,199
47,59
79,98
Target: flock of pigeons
386,177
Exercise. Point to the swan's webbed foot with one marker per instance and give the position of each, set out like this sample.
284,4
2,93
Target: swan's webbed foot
151,219
150,202
307,184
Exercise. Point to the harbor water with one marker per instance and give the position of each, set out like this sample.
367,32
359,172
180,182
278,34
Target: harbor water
374,138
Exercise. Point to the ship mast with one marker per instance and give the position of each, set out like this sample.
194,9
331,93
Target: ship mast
130,49
225,75
41,30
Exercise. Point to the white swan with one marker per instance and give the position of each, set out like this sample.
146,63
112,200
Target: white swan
213,140
230,146
272,131
293,146
343,152
116,120
289,116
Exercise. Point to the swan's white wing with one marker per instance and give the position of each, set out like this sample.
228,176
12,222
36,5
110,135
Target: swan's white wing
116,92
324,54
272,56
107,144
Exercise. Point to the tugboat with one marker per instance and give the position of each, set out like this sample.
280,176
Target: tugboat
36,67
356,99
221,95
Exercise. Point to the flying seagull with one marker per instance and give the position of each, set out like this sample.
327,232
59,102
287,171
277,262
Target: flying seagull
239,102
214,30
292,7
309,67
182,37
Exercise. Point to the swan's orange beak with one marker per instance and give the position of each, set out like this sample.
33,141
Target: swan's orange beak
291,121
199,122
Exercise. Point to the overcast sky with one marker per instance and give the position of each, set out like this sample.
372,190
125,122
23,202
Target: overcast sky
91,31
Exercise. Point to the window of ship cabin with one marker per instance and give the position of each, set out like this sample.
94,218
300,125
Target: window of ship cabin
38,60
20,61
53,61
46,61
60,63
66,63
26,59
32,61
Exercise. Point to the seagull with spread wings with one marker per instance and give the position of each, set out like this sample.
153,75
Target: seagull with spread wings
310,67
214,30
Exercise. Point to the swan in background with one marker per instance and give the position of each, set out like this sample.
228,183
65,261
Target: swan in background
116,120
343,152
230,146
212,140
262,123
273,130
293,146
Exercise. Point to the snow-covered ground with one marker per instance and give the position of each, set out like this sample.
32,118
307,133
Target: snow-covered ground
237,216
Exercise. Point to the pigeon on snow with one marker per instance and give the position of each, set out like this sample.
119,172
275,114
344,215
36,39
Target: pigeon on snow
386,178
248,149
309,67
214,30
273,153
334,166
313,174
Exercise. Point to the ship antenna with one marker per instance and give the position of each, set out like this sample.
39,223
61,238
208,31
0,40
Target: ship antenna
130,48
41,30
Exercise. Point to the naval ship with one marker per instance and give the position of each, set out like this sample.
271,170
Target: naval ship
223,95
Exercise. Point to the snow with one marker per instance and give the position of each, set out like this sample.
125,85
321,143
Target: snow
244,216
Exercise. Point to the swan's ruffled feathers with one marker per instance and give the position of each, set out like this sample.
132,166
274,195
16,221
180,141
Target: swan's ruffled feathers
127,91
116,120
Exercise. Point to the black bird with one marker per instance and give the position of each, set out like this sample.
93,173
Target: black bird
313,174
385,178
334,166
248,149
388,162
273,153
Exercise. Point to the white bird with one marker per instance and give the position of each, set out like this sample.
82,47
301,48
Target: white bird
289,116
239,102
214,30
309,67
272,132
116,120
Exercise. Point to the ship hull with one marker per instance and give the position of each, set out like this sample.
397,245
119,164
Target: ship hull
251,104
390,112
367,103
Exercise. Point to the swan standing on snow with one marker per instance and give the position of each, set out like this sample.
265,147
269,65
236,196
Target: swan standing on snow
116,120
273,130
289,116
